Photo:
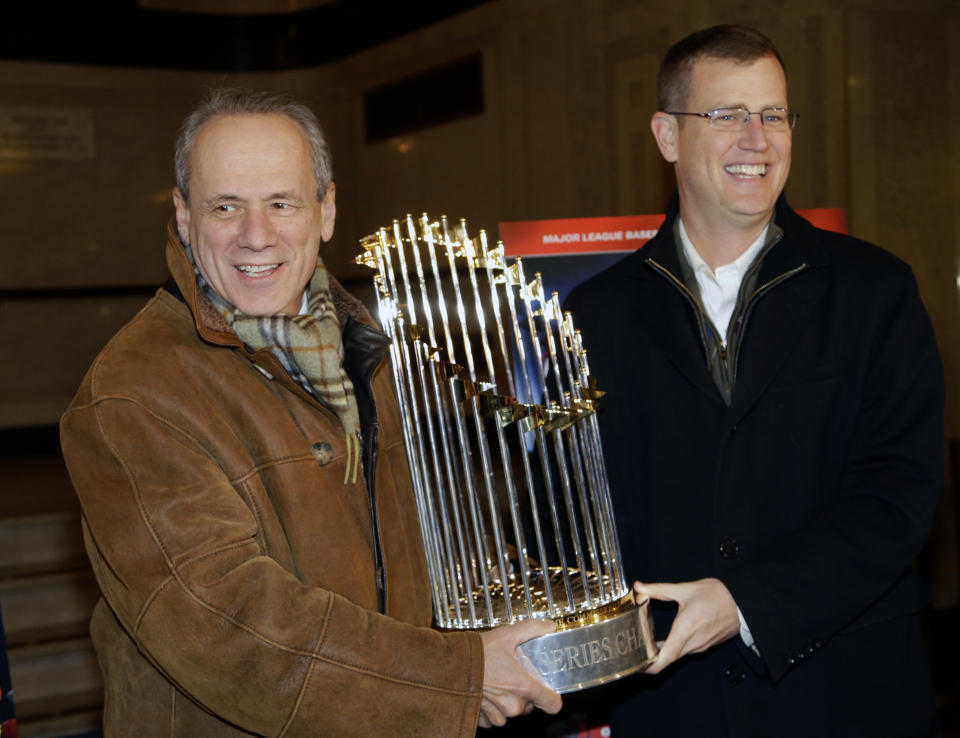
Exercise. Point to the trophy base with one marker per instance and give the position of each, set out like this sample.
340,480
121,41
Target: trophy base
590,655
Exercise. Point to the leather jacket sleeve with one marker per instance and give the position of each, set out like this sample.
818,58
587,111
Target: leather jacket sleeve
178,550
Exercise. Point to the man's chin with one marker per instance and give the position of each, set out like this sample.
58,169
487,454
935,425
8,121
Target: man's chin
753,209
260,308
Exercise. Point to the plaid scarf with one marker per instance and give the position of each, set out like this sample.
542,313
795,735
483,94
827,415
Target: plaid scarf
309,348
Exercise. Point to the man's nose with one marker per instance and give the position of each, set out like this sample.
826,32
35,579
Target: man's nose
754,135
258,231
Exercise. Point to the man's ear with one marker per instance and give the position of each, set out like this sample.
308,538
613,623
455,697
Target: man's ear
665,132
183,215
328,211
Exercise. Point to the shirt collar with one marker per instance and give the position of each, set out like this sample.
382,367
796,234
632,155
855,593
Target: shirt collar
741,263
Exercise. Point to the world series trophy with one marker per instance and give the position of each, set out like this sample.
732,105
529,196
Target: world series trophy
499,421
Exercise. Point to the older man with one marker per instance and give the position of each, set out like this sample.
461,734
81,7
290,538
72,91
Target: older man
246,498
775,446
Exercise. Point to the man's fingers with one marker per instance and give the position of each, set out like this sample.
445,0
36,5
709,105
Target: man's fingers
543,697
510,682
532,628
707,615
491,713
658,591
639,594
658,664
670,651
540,695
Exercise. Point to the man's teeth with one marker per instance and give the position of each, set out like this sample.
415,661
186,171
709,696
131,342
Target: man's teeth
256,268
748,170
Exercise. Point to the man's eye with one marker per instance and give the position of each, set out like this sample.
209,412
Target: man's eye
224,208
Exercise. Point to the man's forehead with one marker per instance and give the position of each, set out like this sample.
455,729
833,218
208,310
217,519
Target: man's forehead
709,60
232,143
233,125
716,78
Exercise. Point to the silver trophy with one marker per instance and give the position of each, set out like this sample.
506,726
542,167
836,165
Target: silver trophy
498,411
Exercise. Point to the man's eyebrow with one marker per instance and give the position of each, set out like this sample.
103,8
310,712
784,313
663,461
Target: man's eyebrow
747,107
282,196
222,198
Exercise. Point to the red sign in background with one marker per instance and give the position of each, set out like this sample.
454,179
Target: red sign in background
568,236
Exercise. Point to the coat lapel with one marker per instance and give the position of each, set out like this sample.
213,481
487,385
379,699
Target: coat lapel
782,312
775,321
668,318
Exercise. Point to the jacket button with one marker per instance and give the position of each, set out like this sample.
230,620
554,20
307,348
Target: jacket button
729,548
735,674
322,452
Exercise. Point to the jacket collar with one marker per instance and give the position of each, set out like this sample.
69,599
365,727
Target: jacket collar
800,244
796,273
210,324
799,261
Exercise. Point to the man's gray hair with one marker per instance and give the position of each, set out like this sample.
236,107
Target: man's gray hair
239,101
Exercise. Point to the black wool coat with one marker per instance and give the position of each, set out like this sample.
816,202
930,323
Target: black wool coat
809,496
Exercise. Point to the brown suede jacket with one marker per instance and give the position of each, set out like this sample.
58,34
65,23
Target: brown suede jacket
238,572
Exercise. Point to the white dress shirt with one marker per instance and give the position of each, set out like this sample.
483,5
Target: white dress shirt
719,288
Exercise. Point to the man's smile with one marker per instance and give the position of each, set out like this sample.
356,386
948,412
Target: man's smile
746,170
257,270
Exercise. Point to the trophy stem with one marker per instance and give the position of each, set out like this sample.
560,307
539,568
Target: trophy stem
528,297
457,571
478,557
580,449
535,435
482,444
406,392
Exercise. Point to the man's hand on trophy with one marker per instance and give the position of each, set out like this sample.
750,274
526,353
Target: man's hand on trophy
707,615
509,687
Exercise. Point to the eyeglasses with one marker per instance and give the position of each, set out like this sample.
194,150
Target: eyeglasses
731,119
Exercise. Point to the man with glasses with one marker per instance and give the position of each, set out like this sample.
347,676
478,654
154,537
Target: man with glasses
774,436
